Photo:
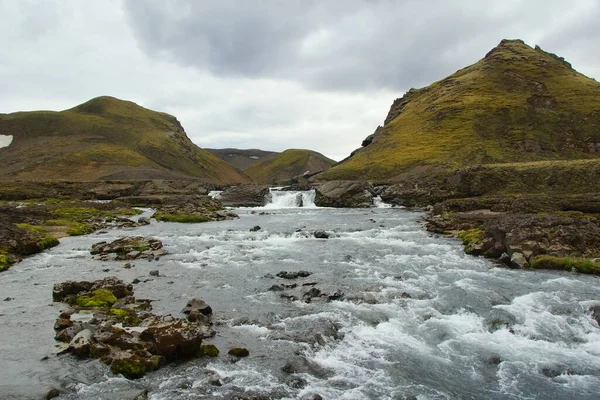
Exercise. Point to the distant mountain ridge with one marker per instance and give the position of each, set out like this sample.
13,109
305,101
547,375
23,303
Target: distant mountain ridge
241,158
105,138
288,165
517,104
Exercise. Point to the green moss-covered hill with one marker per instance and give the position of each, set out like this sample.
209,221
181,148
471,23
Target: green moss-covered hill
105,138
282,167
518,104
241,158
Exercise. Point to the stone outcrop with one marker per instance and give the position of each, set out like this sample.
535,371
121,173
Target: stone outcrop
517,239
128,248
245,196
109,323
350,194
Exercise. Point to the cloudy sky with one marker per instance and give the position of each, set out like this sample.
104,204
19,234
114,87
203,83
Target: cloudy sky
268,74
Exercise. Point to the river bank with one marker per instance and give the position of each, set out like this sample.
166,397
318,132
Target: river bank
544,230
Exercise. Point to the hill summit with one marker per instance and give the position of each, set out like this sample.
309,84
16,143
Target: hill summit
105,138
517,104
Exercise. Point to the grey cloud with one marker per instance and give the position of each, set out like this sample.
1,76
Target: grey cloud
350,45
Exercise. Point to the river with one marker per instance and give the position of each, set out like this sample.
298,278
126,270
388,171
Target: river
418,317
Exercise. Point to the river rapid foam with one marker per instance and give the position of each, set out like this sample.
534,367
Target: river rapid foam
418,317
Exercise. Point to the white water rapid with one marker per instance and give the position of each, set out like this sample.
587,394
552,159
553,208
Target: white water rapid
291,198
388,312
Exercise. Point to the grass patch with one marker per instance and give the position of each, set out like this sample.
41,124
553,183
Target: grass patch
129,211
582,265
4,262
73,228
45,241
48,242
99,298
470,238
181,217
32,228
80,214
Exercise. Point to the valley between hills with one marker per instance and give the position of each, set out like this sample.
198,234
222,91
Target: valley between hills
503,155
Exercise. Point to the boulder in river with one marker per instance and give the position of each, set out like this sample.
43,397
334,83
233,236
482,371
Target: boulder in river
293,275
128,248
120,330
245,196
345,194
196,305
321,234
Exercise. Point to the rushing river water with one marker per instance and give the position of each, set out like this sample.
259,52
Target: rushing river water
418,316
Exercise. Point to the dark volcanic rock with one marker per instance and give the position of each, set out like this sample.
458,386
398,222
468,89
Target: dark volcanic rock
320,234
293,275
124,334
238,352
245,196
128,248
518,238
197,305
349,194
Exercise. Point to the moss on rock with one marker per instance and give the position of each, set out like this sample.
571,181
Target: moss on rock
131,368
126,316
4,262
208,350
583,265
238,352
181,217
471,238
99,298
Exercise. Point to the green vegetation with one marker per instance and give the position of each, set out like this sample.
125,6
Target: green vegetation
131,368
238,352
128,211
582,265
4,262
208,350
99,298
81,213
470,238
126,316
287,165
73,228
44,240
32,228
515,105
48,242
181,217
106,137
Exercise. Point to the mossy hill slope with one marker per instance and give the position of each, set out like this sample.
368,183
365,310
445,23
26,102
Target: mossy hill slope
518,104
285,166
241,158
105,138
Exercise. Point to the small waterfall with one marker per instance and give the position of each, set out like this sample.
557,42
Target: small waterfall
215,194
378,202
291,198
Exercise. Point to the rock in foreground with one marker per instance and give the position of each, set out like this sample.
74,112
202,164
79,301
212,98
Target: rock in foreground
107,322
129,248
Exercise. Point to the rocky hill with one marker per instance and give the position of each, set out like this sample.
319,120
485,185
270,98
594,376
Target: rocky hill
290,164
105,138
241,158
518,104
